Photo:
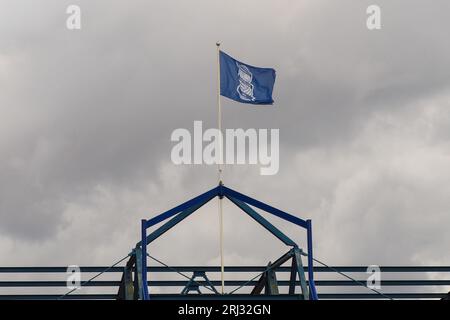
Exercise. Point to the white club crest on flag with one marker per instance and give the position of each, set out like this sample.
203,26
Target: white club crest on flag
245,87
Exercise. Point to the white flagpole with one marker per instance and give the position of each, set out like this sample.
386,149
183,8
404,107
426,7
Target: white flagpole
219,123
219,112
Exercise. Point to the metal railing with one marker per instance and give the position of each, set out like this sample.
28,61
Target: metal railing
398,282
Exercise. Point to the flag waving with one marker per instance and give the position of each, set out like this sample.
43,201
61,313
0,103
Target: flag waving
244,83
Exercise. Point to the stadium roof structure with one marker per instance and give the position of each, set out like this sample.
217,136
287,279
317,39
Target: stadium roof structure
129,281
138,288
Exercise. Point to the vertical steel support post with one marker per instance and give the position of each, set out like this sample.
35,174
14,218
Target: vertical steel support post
145,295
293,276
126,288
271,281
128,283
301,274
312,286
138,291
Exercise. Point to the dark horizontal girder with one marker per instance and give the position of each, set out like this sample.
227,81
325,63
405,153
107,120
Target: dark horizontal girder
334,296
96,269
181,283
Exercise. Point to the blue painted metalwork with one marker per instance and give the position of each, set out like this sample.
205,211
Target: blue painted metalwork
398,287
186,209
172,222
265,207
262,221
298,265
312,286
145,294
137,283
242,201
203,198
194,285
271,287
221,190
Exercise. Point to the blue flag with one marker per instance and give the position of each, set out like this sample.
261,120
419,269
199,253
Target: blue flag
244,83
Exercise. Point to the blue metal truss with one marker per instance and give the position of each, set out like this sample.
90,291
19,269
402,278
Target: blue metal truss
184,210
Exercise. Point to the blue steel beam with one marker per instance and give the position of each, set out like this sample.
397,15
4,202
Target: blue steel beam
240,200
216,283
293,277
301,274
142,255
262,221
172,222
258,204
203,198
145,224
312,286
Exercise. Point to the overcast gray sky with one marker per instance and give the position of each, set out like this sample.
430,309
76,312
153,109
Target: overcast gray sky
86,118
